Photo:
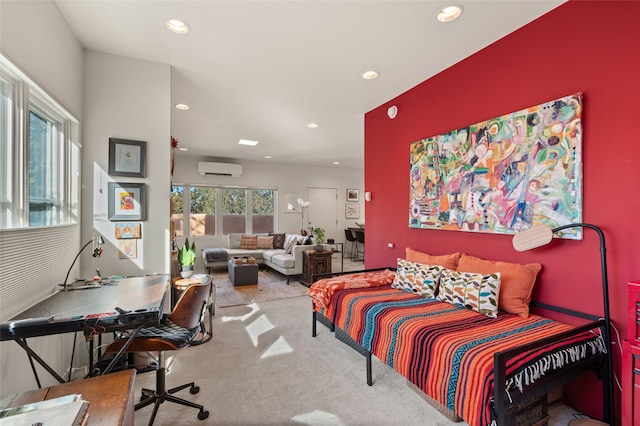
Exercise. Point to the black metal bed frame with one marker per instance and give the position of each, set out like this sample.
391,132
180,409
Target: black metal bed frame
542,386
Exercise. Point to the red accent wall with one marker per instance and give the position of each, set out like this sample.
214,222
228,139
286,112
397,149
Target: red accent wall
582,46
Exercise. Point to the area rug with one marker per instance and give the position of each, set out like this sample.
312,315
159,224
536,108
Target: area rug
271,286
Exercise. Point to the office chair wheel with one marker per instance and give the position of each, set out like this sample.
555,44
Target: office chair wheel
194,390
203,415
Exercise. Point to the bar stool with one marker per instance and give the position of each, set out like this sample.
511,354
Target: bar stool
359,241
351,240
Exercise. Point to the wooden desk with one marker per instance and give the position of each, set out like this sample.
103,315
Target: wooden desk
110,397
141,299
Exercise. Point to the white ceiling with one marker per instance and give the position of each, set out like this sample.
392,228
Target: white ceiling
262,70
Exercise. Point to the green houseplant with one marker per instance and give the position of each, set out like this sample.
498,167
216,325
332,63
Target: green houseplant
187,258
318,235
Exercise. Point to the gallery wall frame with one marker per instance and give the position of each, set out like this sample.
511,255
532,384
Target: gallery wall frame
127,158
352,211
502,175
353,195
126,201
128,230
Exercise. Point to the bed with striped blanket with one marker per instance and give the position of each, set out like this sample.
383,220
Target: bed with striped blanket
449,352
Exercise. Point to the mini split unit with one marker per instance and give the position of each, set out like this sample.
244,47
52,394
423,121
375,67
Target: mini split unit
219,169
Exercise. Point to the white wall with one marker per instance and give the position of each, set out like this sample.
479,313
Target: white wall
127,99
283,178
35,36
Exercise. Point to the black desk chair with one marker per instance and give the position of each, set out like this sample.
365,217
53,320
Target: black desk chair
176,331
351,240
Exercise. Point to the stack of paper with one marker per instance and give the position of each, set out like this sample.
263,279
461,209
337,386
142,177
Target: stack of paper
68,410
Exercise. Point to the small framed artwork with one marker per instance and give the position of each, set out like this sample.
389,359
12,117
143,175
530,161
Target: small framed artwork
127,249
126,231
126,201
127,158
353,195
352,211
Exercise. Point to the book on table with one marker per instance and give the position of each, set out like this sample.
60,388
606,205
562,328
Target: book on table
68,410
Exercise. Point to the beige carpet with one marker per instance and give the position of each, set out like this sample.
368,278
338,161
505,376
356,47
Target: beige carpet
271,286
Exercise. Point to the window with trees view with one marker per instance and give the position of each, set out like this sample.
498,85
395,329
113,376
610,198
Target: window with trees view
222,211
39,180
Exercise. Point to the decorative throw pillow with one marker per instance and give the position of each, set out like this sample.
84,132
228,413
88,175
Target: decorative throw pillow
265,243
472,291
290,246
417,278
307,241
517,281
278,241
249,242
288,238
449,261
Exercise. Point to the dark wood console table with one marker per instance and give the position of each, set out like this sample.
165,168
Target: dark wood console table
315,262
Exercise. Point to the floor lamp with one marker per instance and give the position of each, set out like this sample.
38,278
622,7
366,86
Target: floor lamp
97,251
540,235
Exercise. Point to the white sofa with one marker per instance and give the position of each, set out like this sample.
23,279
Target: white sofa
277,259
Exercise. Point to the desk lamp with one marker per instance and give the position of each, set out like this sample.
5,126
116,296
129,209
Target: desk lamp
540,235
97,251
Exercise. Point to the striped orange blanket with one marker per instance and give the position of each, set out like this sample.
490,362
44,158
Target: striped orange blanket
447,351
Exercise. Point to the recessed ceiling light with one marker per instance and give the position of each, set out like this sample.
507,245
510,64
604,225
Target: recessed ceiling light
335,163
312,125
449,13
177,26
370,75
247,142
268,157
182,107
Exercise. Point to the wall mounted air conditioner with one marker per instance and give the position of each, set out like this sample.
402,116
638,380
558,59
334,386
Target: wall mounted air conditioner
219,169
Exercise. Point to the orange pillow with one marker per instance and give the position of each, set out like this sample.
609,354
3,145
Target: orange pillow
449,261
516,281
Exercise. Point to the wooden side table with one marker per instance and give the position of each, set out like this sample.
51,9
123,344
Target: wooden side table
315,262
110,397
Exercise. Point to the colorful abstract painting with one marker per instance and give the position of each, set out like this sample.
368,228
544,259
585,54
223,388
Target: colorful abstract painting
502,175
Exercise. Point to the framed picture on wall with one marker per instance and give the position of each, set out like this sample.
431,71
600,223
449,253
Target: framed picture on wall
126,201
352,211
353,195
127,158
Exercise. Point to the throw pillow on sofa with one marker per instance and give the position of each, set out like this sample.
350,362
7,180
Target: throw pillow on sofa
417,278
278,241
265,243
249,242
473,291
517,281
292,244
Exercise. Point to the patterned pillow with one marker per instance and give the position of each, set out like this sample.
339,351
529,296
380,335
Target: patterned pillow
472,291
417,278
265,243
278,241
249,242
292,243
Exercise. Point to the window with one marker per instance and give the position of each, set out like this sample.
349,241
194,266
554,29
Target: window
222,211
39,156
263,209
234,211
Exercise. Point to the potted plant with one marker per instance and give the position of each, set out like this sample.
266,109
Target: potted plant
187,259
318,237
